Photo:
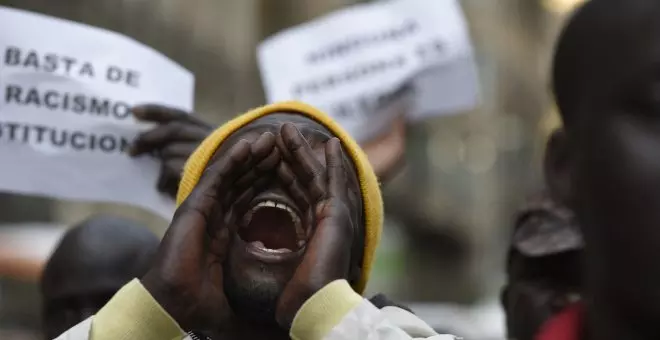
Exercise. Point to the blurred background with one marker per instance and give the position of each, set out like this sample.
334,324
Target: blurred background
449,212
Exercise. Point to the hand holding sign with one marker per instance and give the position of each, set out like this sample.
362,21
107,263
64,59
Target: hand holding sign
386,153
173,140
67,92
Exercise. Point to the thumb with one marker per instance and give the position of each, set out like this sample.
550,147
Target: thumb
328,253
330,246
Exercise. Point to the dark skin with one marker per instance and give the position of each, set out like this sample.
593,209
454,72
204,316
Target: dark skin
531,299
177,134
543,268
174,138
91,263
285,158
604,163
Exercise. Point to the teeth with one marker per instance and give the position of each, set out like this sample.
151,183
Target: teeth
261,246
301,233
282,206
272,205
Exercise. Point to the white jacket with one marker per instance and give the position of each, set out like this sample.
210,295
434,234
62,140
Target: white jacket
334,313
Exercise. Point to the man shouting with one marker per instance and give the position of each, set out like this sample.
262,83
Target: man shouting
278,220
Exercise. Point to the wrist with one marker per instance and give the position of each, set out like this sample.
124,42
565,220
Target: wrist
133,310
165,296
290,304
324,310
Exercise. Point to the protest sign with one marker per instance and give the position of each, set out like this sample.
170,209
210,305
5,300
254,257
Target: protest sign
353,63
66,90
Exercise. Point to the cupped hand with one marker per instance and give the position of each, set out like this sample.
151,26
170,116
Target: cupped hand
328,252
187,277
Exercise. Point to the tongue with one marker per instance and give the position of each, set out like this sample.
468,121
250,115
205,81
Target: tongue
258,244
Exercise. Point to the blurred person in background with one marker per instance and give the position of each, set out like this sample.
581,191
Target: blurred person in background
543,267
604,165
92,262
310,213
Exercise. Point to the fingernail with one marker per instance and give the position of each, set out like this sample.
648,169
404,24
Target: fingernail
267,136
288,127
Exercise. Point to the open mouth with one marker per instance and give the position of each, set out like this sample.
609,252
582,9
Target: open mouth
273,226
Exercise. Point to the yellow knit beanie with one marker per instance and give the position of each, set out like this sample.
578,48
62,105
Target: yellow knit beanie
371,196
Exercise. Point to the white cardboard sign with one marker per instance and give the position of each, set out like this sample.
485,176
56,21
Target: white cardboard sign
65,95
354,62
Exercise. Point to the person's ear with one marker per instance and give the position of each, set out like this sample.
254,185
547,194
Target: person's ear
558,167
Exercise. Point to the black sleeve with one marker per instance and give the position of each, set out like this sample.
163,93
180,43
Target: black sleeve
382,301
198,336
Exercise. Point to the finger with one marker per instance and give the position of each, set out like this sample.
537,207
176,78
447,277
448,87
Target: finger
327,257
259,171
332,240
270,162
161,135
264,157
170,175
241,204
288,180
261,168
193,222
163,114
178,150
337,184
263,146
216,179
329,250
309,171
219,242
279,142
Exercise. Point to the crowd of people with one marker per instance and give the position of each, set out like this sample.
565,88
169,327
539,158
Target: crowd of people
279,213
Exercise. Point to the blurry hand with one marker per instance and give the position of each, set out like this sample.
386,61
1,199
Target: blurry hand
328,253
187,277
174,139
386,152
